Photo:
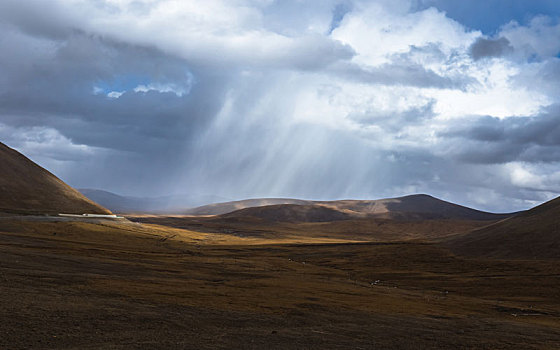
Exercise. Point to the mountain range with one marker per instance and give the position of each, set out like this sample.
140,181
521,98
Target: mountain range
27,188
412,207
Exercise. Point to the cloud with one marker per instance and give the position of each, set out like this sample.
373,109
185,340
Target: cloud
317,99
534,139
398,120
536,40
483,48
408,74
377,33
115,94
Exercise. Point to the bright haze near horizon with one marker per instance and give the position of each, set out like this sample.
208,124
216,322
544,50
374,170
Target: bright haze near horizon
304,99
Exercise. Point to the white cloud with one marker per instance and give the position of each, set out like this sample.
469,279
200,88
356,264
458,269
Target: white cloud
44,143
177,90
115,94
541,178
539,38
376,34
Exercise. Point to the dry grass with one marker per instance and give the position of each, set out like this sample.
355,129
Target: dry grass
534,234
110,285
365,230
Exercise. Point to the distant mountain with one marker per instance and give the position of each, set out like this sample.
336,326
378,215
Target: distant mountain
228,207
413,207
417,206
27,188
528,235
163,204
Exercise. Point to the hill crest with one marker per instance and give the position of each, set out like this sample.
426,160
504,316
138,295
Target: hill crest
27,188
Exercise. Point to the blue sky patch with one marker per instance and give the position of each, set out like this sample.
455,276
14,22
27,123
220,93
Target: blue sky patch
489,15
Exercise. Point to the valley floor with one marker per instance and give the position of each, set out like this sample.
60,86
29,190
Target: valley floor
85,285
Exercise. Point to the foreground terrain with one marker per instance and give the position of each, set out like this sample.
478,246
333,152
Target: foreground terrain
116,285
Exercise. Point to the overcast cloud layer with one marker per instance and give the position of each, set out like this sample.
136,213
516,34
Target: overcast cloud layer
316,99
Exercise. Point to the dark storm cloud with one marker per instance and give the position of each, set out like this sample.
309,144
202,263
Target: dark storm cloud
55,89
37,18
59,93
292,50
483,48
493,140
136,140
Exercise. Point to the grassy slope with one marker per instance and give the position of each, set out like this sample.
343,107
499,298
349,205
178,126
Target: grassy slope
529,235
76,285
355,229
27,188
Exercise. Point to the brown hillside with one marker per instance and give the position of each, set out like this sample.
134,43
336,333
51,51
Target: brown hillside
533,234
414,207
27,188
291,213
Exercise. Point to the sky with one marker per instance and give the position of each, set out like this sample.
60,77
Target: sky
316,99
